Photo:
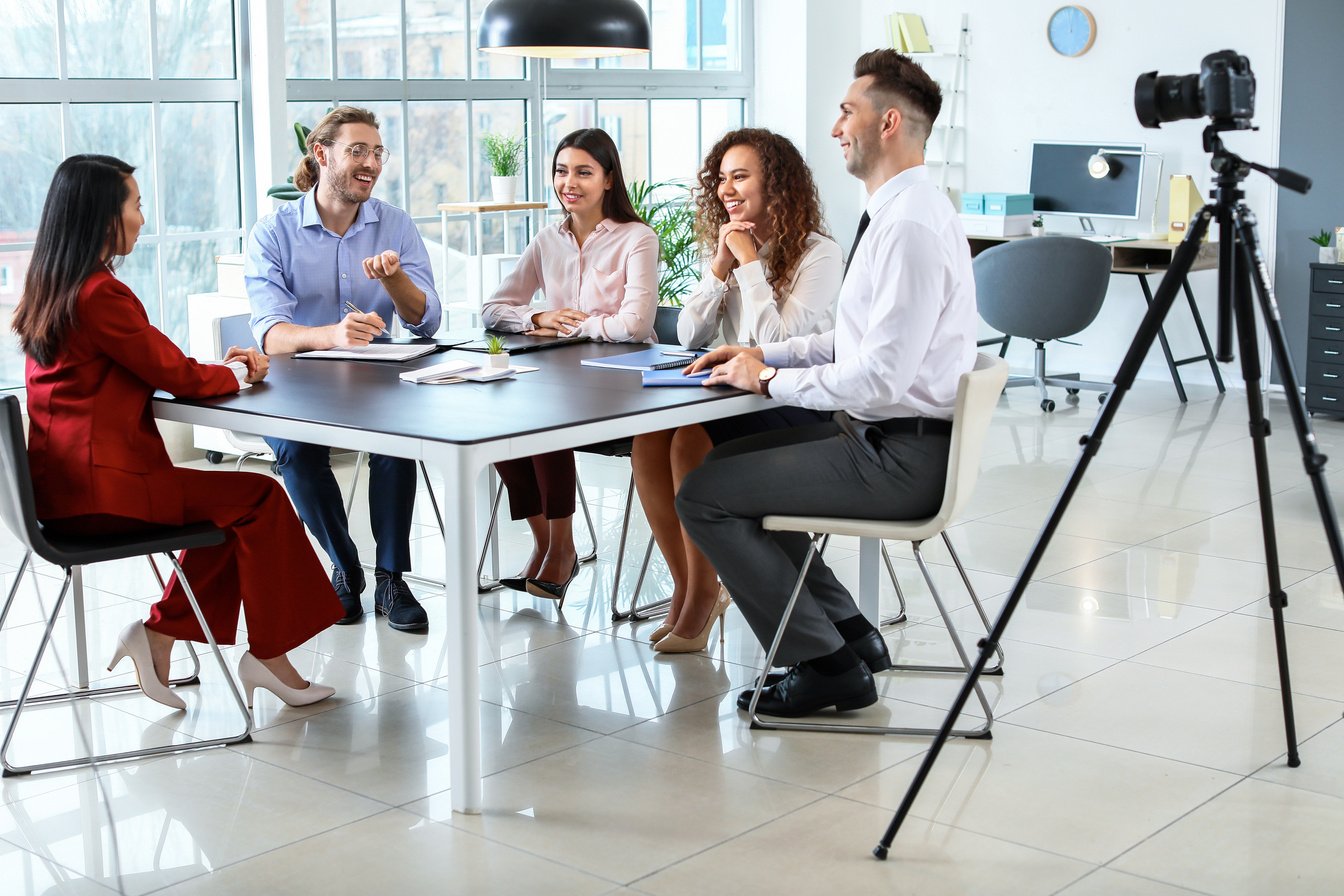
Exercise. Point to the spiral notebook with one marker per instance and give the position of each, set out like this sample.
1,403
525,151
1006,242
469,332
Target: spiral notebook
659,357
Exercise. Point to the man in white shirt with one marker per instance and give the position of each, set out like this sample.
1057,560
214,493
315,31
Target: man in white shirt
905,332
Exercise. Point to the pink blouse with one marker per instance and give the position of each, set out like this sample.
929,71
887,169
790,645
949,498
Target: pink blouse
613,277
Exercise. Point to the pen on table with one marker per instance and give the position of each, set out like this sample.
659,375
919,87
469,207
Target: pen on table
682,354
350,306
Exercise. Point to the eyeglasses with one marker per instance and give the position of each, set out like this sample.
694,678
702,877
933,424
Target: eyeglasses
360,151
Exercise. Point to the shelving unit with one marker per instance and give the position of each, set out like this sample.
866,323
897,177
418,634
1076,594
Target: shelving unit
478,211
946,152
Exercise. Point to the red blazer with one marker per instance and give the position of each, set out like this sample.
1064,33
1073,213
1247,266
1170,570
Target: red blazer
92,442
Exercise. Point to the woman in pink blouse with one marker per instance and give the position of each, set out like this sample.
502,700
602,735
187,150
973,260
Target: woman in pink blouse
598,274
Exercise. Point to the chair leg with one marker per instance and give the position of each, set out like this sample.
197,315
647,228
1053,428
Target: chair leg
588,518
758,722
895,583
635,613
484,585
997,668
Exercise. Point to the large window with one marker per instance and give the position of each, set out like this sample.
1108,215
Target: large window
153,83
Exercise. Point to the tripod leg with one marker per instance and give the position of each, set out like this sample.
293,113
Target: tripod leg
1149,328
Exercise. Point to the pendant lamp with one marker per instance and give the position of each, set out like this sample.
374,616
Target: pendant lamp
564,29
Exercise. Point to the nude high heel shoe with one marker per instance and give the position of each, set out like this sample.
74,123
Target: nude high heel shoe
134,643
674,643
254,675
660,633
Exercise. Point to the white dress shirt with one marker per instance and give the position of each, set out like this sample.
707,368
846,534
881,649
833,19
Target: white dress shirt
748,308
905,321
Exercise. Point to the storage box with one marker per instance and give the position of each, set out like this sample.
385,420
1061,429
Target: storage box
972,203
996,225
1008,203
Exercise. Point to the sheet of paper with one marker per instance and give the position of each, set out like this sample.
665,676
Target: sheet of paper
374,352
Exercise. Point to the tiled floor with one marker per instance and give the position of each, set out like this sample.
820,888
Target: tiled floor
1138,749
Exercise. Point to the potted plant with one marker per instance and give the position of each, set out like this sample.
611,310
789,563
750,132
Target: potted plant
505,156
1323,254
495,356
1037,226
286,191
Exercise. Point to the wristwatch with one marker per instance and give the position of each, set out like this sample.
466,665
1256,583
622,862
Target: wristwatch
764,378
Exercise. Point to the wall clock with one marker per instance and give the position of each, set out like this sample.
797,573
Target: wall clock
1071,30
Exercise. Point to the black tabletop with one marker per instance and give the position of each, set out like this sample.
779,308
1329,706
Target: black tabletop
369,396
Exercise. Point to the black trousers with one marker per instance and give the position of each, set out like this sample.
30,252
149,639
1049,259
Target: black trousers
841,468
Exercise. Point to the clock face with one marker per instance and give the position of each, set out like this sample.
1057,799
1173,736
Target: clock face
1072,30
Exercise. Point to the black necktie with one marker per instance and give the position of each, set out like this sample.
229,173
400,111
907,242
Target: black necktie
858,237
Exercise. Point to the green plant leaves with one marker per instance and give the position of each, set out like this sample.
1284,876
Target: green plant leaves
666,207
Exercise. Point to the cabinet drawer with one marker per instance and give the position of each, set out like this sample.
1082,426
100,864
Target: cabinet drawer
1324,398
1325,352
1331,375
1322,327
1327,280
1330,304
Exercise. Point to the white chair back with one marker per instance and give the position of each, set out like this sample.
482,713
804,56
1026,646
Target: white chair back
977,395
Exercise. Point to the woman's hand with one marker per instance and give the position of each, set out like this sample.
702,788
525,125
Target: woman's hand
563,321
729,255
258,365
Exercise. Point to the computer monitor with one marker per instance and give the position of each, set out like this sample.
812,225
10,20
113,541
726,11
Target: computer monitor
1062,184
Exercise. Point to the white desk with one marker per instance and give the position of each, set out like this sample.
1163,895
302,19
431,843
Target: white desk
458,429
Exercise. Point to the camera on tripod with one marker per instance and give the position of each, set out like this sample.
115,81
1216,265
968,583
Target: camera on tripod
1224,90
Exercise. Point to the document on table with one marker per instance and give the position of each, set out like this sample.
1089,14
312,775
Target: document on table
378,351
460,371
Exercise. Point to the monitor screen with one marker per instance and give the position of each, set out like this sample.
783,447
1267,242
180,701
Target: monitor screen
1062,184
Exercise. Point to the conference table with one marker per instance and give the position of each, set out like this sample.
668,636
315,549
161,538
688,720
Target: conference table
459,429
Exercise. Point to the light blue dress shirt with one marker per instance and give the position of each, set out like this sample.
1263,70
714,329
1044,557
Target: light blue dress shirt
299,272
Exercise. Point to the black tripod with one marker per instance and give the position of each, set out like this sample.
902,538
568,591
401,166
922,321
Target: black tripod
1240,264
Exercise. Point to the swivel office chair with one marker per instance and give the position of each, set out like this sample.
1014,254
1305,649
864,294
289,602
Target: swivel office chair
1043,289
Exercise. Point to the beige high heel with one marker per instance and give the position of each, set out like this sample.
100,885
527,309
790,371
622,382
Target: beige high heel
674,643
254,675
659,633
134,643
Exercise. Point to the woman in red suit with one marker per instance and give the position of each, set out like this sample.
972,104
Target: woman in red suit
100,466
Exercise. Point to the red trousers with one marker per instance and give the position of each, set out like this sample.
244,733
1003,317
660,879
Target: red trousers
541,484
265,566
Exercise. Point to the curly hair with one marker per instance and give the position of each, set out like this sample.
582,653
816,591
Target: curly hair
791,199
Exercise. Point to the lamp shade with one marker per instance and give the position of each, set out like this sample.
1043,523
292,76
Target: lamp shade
564,29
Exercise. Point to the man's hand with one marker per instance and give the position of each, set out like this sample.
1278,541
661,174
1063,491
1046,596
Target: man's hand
720,355
561,322
383,265
258,365
356,329
742,371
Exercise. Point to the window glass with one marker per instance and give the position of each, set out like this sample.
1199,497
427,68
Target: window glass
124,130
500,117
200,190
368,39
13,268
436,39
28,42
676,34
722,35
436,159
491,65
188,267
107,38
21,200
195,38
391,182
675,147
308,38
140,272
717,117
628,124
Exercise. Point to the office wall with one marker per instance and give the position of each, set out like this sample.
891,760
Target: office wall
1020,90
1312,143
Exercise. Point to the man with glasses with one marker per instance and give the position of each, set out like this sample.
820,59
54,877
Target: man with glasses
333,249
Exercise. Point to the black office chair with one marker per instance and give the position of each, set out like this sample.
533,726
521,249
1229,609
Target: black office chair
1043,289
17,508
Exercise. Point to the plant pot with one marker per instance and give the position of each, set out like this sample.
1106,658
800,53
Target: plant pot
1325,255
1038,230
504,189
500,360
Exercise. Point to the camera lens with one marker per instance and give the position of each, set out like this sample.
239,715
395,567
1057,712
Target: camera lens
1166,98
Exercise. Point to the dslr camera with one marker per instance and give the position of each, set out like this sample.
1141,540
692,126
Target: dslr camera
1224,90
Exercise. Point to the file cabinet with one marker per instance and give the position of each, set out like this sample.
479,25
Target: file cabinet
1325,340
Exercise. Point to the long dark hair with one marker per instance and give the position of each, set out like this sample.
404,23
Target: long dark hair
790,195
616,203
81,219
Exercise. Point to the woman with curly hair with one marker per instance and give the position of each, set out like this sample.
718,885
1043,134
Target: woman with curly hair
771,273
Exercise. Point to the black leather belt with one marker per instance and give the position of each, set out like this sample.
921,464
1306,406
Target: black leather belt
916,426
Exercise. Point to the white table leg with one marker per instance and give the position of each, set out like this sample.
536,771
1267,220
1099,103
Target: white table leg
459,549
870,550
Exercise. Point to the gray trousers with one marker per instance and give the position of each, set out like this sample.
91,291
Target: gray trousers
843,468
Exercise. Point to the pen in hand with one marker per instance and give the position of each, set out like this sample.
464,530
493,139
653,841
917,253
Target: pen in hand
350,306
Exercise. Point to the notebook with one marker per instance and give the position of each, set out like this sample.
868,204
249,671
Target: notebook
658,357
673,378
378,351
457,372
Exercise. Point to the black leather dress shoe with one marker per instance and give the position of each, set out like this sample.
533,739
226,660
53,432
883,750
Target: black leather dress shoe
348,589
804,691
871,648
393,599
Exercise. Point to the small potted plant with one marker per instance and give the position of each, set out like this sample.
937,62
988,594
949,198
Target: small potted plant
505,155
1323,254
1037,226
495,356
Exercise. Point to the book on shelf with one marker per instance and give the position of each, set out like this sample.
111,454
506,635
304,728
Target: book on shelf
905,31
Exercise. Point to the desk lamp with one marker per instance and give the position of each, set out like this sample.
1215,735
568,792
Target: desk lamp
1099,166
